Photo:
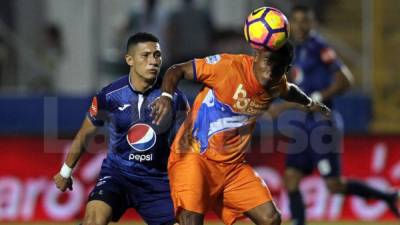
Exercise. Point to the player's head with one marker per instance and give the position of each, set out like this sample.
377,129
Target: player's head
270,65
143,55
302,20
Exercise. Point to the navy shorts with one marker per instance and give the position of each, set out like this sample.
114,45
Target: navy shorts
150,197
314,142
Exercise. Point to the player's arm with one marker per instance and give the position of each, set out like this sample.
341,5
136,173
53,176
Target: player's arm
294,94
343,79
79,145
174,74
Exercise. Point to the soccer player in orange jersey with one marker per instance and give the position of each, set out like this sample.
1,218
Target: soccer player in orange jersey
207,167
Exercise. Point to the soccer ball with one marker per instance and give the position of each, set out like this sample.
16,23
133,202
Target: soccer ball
266,27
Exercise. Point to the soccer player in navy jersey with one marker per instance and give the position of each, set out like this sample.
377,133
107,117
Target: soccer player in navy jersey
134,173
320,74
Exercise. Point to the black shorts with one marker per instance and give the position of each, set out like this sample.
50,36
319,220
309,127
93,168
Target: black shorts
315,142
149,196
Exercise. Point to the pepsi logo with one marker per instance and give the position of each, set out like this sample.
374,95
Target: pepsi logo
141,137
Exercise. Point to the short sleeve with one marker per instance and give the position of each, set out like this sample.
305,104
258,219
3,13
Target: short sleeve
97,112
207,70
180,102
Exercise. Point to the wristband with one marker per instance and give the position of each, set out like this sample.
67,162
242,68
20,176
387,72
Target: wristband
316,96
166,94
66,171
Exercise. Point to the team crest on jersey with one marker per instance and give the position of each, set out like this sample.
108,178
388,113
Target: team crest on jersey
297,75
93,107
328,55
141,137
213,59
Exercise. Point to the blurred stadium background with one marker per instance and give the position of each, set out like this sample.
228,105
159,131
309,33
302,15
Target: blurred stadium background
55,54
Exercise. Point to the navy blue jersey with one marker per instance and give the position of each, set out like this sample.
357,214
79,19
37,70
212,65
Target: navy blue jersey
137,147
317,138
314,65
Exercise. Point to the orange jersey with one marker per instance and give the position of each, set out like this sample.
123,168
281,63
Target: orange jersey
224,113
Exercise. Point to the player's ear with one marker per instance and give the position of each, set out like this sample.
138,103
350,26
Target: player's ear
129,59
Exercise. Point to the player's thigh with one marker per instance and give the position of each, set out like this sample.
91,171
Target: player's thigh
159,212
327,147
97,212
292,178
301,161
108,193
335,184
266,213
190,189
326,135
329,165
244,190
155,206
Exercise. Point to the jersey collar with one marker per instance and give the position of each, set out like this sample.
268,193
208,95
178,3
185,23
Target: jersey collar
148,90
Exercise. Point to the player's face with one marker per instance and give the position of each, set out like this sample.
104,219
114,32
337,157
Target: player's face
145,60
266,70
301,24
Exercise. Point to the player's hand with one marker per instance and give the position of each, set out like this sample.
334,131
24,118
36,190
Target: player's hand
321,108
62,183
160,108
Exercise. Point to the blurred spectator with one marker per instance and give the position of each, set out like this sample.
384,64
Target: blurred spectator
317,6
50,52
230,41
150,20
5,61
189,33
7,50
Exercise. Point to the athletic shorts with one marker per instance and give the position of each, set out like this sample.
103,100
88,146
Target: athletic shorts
149,196
316,143
199,184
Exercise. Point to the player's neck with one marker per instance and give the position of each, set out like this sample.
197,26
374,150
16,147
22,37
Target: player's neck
139,84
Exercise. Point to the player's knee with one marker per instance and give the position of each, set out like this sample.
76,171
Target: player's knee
277,220
274,219
335,185
94,219
93,222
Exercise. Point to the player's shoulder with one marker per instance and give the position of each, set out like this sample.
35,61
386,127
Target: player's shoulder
317,41
180,99
237,59
223,58
116,85
242,61
179,93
